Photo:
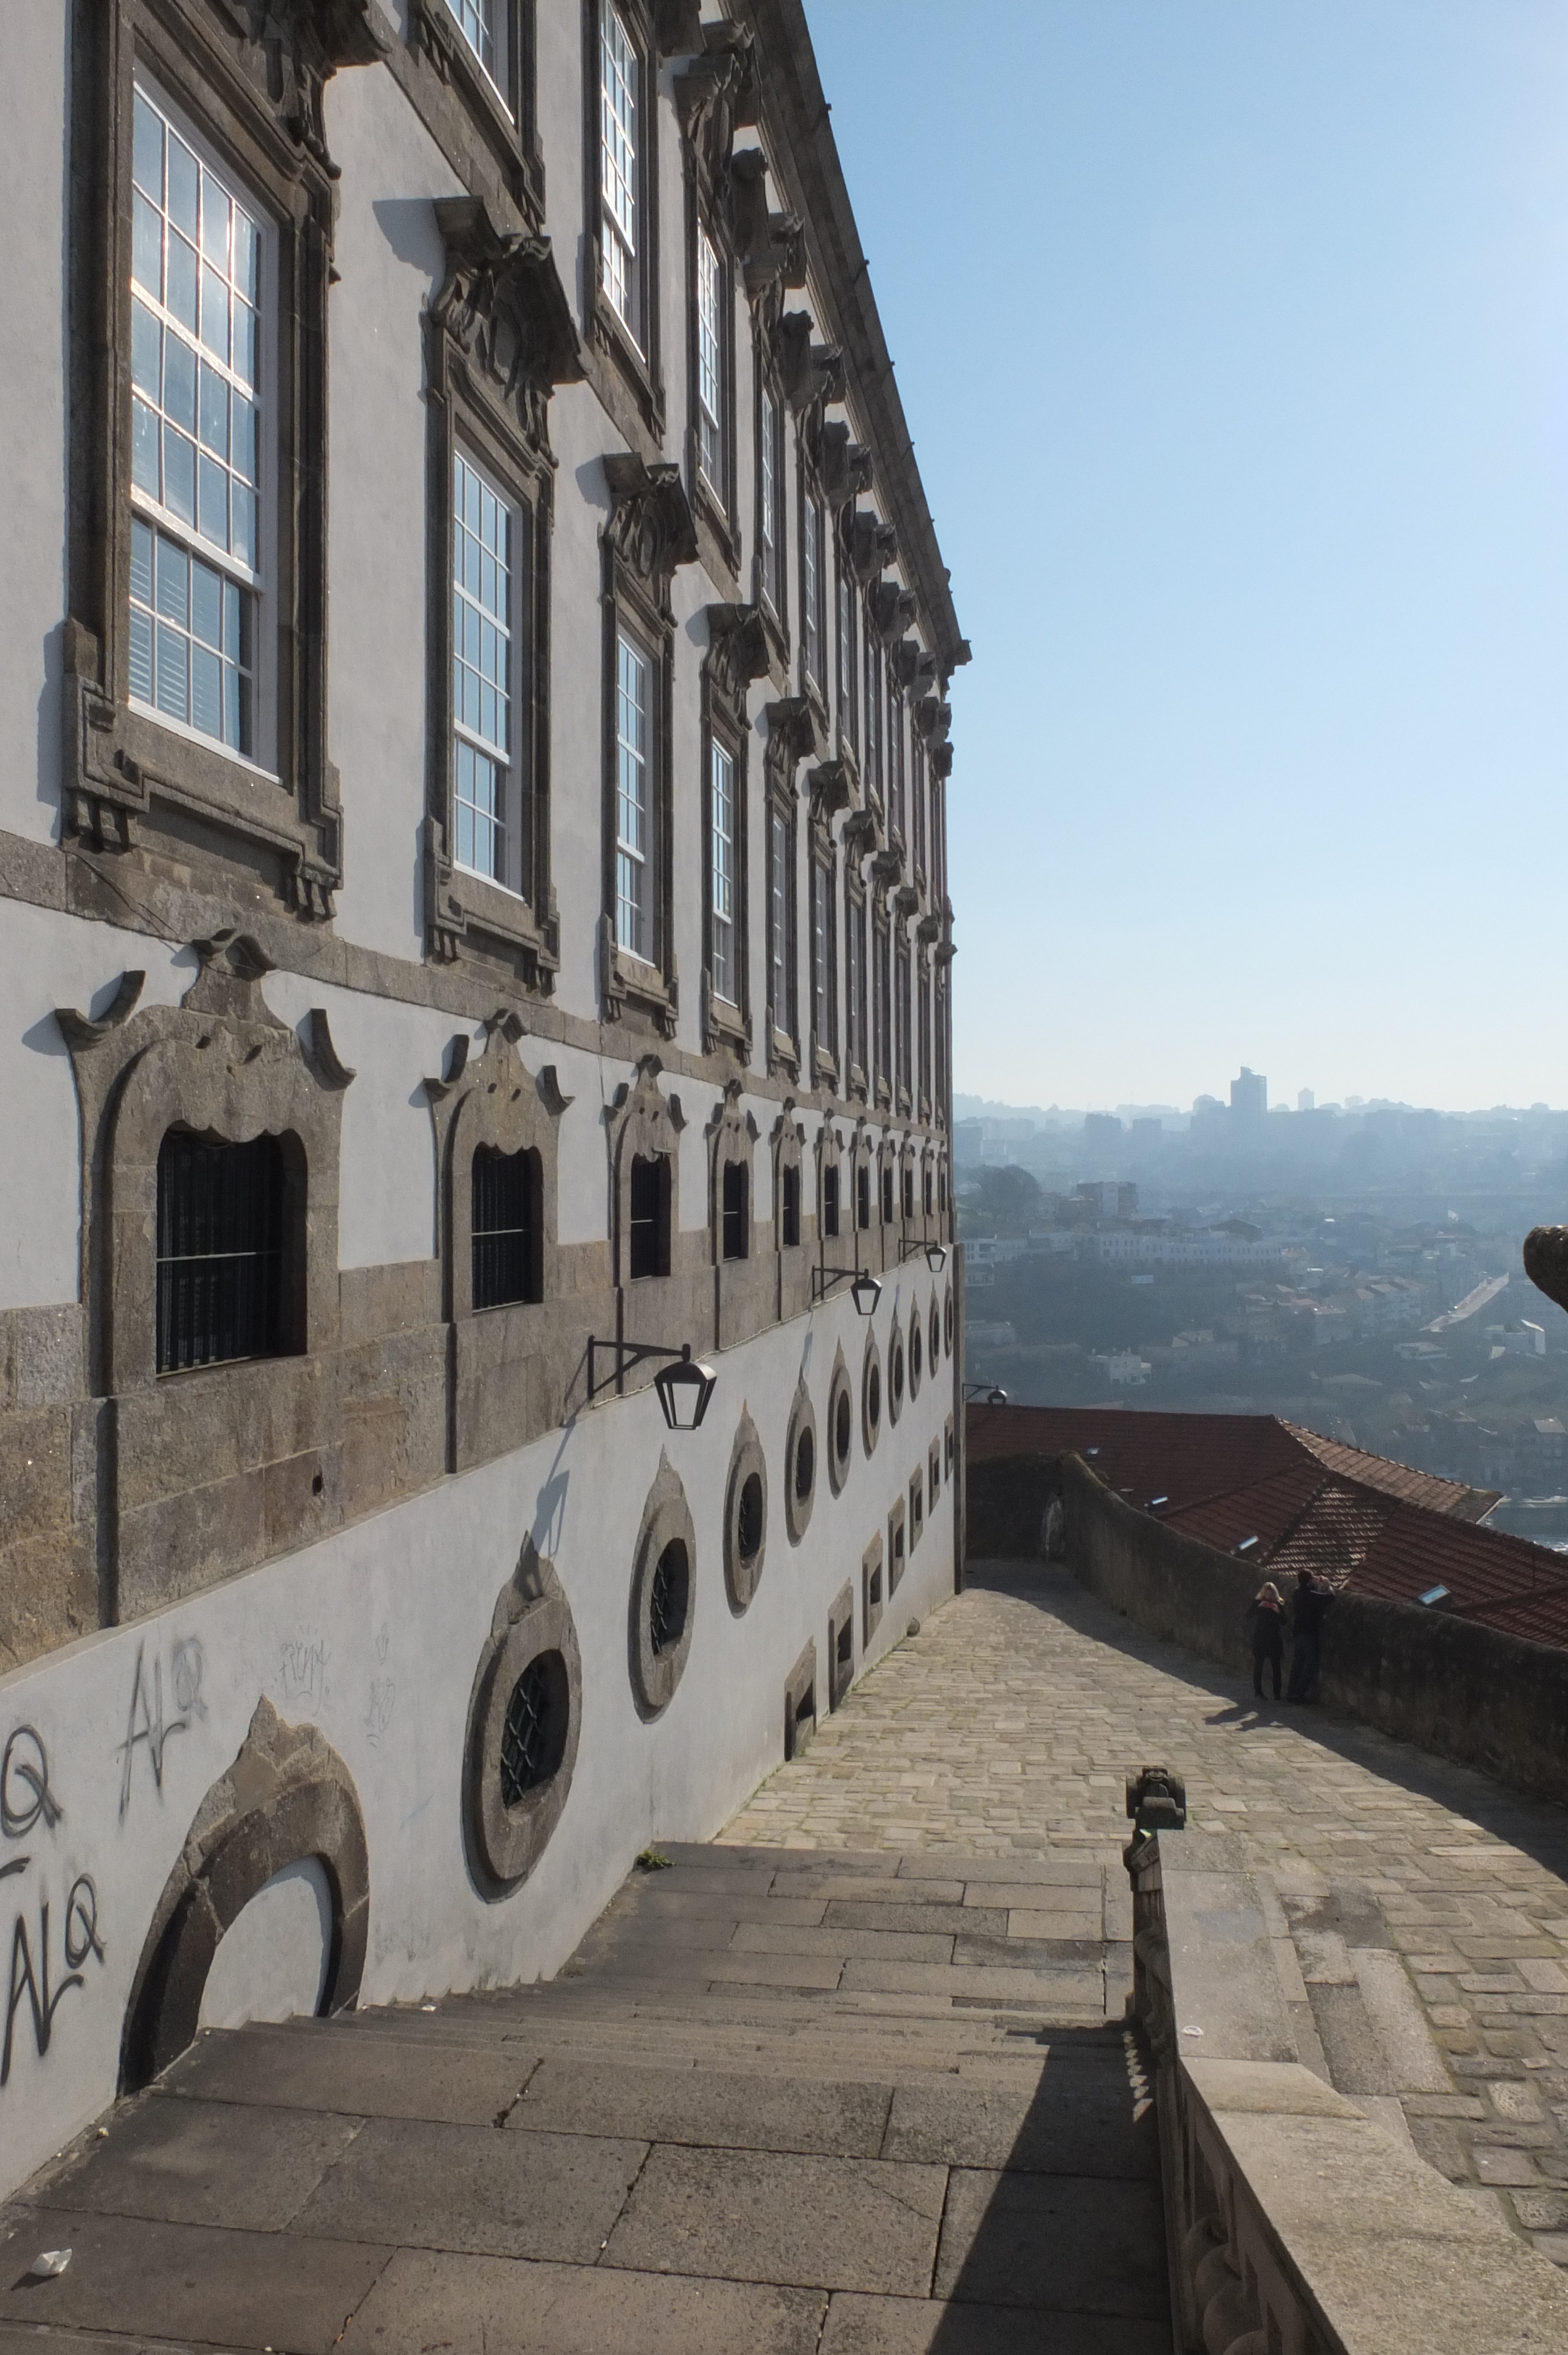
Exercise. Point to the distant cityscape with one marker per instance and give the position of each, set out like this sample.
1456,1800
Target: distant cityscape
1351,1268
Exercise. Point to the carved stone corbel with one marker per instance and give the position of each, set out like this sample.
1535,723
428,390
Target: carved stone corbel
771,246
504,303
306,42
791,739
941,758
892,609
933,718
873,546
713,96
812,375
863,833
737,650
845,466
651,528
831,785
927,930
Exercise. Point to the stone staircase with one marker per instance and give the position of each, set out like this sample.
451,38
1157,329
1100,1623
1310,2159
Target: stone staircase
781,2101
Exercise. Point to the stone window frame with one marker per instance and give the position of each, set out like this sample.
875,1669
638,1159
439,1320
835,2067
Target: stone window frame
532,1619
223,1064
872,1401
748,1462
822,861
803,1428
903,1020
924,1068
732,1135
708,96
948,1323
493,1101
870,1590
643,1124
916,1506
737,653
896,1390
791,736
498,338
627,378
666,1521
864,1151
483,126
897,1558
788,1151
801,1701
916,1349
881,992
840,1645
950,1449
648,534
128,778
841,1394
934,1470
846,658
886,1180
934,1335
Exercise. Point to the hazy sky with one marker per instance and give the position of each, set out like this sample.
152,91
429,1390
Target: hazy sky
1234,340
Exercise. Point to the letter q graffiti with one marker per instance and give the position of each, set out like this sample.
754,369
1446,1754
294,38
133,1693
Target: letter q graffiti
25,1798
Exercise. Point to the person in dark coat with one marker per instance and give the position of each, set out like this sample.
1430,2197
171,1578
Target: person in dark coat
1307,1606
1266,1613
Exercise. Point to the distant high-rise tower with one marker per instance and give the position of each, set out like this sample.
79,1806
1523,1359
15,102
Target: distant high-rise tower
1305,1100
1249,1095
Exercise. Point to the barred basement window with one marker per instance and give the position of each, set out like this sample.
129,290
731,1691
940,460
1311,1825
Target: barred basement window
221,1287
668,1597
790,1220
862,1197
830,1200
533,1737
909,1193
887,1197
649,1254
507,1188
735,1235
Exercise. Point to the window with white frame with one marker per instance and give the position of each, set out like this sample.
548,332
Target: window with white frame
710,365
822,959
721,840
873,715
198,573
770,526
484,815
620,76
846,684
483,23
779,926
633,800
811,588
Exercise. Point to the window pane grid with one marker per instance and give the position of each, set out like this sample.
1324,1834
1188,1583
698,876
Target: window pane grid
710,363
194,445
722,824
780,891
631,810
482,668
769,471
617,146
811,580
476,20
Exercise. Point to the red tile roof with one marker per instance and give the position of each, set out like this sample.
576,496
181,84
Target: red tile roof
1351,1518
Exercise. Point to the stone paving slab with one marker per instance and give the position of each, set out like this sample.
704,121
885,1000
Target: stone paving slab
388,2076
1421,1909
1051,2241
708,2107
902,2325
218,2163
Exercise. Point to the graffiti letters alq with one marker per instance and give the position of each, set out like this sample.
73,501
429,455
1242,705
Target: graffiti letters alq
28,1807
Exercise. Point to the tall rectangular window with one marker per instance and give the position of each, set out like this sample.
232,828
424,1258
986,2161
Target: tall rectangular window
476,20
221,1257
633,801
830,1198
769,517
811,588
710,365
778,928
721,838
922,994
504,1231
896,760
621,73
196,553
648,1251
879,1004
917,767
873,716
901,1015
822,960
854,985
846,684
481,674
735,1236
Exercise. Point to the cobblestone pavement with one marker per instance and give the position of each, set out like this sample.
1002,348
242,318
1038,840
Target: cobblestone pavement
1005,1727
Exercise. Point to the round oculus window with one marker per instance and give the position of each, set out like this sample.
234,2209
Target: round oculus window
533,1733
805,1464
668,1592
844,1427
748,1519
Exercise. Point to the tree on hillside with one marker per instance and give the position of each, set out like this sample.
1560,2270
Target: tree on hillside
1009,1196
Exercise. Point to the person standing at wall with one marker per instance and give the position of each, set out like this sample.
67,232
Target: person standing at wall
1267,1616
1307,1606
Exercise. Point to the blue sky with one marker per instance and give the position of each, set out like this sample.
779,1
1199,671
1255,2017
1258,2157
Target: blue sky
1234,340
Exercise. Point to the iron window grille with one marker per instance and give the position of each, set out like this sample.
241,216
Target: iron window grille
862,1197
789,1220
733,1220
530,1744
505,1227
887,1195
830,1200
668,1594
220,1281
649,1251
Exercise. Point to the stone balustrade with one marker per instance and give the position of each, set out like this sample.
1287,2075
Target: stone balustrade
1296,2221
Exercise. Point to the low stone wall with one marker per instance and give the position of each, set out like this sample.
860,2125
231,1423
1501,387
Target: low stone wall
1296,2224
1465,1692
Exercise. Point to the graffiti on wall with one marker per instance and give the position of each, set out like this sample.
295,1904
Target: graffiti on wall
47,1958
149,1727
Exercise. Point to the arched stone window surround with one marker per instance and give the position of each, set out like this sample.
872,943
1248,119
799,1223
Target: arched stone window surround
789,1143
917,1349
223,1064
839,1419
532,1621
747,1464
732,1135
494,1101
642,1124
288,1796
666,1521
895,1369
872,1404
800,1465
934,1336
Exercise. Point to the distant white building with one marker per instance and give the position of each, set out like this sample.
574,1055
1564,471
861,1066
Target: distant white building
1123,1368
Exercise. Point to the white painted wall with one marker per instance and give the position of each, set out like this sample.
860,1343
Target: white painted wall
271,1964
373,1637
